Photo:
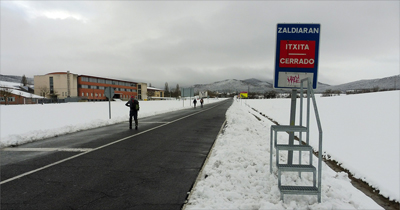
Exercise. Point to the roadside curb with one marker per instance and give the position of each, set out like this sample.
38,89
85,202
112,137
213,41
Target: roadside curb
199,177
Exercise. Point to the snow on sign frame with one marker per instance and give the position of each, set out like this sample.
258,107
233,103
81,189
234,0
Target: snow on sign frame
297,53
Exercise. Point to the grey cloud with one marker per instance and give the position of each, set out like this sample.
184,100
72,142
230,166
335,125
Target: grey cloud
197,42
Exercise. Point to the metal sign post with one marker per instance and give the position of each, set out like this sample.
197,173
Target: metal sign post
109,103
187,92
292,123
109,92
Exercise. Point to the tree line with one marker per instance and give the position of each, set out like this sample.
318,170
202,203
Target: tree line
173,93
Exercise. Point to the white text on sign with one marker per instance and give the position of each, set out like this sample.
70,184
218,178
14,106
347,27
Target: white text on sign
293,30
297,54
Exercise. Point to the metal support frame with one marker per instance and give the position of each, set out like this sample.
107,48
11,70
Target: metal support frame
310,93
291,129
292,123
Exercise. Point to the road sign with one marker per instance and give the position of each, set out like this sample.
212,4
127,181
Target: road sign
109,92
297,53
187,92
244,95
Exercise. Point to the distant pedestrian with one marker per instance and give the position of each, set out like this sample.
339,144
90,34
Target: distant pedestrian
194,102
133,104
201,102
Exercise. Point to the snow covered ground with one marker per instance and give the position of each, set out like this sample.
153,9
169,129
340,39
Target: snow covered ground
20,124
360,131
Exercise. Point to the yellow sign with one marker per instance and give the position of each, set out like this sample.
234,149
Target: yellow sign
243,95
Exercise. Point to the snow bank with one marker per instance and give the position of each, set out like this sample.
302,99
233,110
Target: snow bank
237,173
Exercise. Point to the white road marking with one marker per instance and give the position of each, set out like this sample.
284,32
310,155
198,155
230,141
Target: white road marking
101,147
47,149
153,122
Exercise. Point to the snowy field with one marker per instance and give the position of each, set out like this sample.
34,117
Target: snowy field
20,124
360,131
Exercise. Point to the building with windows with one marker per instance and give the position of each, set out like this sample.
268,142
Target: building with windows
60,84
18,97
155,93
142,91
86,87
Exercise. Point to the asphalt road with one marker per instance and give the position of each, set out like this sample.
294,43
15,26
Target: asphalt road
113,167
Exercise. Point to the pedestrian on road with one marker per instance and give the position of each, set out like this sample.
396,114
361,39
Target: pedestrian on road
194,102
133,104
201,102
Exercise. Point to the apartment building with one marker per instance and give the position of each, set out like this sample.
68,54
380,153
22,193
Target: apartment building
86,87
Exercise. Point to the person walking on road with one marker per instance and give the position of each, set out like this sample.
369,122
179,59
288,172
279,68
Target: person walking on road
201,102
133,104
194,102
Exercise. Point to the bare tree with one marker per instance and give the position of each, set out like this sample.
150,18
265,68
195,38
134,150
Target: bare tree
150,93
44,91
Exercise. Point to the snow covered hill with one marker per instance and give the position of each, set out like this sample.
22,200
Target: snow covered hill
255,85
387,83
233,85
14,79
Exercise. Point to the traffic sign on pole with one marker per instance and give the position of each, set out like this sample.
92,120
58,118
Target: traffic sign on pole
297,53
109,93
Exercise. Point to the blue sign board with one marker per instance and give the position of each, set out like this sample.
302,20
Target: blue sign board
296,57
187,92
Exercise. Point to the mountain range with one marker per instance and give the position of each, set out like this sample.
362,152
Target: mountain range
258,86
255,85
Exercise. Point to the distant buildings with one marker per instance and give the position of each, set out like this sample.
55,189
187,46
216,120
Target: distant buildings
12,94
155,93
74,87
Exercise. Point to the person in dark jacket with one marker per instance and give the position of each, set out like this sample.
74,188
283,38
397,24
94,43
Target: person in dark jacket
194,103
201,102
133,104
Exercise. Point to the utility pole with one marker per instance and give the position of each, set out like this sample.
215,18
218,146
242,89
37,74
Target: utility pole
68,85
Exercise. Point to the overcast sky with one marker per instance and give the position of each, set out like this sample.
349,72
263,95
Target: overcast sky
194,42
